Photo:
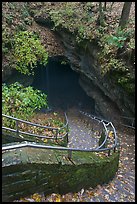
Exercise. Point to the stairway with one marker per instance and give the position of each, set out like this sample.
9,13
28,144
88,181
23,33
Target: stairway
80,134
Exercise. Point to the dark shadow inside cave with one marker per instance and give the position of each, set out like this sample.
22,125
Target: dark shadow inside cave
61,84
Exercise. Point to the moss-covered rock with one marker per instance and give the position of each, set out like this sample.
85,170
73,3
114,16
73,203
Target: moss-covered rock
26,171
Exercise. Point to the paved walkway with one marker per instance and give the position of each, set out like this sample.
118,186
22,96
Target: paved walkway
81,134
122,187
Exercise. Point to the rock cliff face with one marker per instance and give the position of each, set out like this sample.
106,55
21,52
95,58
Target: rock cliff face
110,99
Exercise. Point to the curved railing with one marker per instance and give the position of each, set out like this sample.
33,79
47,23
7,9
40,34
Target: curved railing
105,128
55,136
105,124
130,122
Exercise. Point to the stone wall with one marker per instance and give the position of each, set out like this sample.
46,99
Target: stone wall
27,171
110,99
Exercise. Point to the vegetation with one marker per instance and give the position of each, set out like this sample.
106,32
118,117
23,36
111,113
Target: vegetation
21,48
51,120
28,51
125,14
92,21
113,47
21,102
95,21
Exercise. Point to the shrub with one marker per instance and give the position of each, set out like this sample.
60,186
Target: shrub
28,50
21,102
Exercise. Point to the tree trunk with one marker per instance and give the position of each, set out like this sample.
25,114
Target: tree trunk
105,6
125,14
100,19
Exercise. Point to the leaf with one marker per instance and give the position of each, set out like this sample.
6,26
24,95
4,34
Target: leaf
58,199
82,191
45,140
110,134
36,197
120,176
90,193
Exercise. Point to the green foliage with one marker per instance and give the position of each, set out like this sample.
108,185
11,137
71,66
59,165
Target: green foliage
15,17
75,18
82,21
131,43
21,102
109,58
28,51
112,64
118,38
81,31
127,82
117,41
63,62
56,18
69,11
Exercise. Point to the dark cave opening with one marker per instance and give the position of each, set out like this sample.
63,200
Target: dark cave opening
61,84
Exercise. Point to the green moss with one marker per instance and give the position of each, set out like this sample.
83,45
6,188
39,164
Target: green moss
53,172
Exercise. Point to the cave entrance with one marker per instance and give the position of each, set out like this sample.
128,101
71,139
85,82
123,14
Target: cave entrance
61,84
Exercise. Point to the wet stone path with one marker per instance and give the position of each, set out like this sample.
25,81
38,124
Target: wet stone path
81,134
122,187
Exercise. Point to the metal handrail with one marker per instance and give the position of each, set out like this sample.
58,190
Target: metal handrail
127,117
97,149
37,125
132,120
27,144
29,123
105,124
32,134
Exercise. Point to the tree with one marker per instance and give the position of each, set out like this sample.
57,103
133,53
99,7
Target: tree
105,6
101,16
125,14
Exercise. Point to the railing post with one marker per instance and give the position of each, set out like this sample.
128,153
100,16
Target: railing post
17,128
69,154
133,122
56,135
92,126
114,149
67,138
109,152
67,133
